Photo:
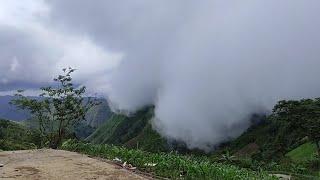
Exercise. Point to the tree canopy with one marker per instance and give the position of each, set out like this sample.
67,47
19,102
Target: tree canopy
58,109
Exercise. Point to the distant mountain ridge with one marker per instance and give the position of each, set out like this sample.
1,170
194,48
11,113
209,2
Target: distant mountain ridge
10,112
95,116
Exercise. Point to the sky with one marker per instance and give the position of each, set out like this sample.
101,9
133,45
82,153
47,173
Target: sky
205,65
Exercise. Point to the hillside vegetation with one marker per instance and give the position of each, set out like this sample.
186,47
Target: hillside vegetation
133,131
285,141
14,136
94,117
305,152
272,142
169,165
99,114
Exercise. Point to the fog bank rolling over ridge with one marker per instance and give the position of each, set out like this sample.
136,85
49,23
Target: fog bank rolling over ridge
225,62
205,65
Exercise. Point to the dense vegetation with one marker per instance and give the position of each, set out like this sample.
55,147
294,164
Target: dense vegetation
59,110
132,131
14,136
284,141
170,165
271,143
95,117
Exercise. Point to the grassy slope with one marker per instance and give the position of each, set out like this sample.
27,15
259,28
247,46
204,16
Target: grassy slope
14,136
273,138
98,115
133,131
304,152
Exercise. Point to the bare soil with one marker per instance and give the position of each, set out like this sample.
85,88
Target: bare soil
48,164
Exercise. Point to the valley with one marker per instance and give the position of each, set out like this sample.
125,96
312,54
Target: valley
270,144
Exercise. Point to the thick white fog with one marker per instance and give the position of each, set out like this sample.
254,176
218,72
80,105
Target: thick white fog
205,65
223,63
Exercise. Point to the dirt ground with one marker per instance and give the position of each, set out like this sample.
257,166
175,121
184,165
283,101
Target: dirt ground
58,165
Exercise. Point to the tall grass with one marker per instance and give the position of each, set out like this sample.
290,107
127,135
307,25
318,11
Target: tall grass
169,165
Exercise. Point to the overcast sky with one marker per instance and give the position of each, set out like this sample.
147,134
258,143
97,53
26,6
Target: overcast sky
35,46
206,65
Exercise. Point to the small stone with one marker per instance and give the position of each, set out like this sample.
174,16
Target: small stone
1,165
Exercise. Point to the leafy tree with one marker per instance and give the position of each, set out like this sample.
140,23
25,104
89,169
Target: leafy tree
303,115
58,109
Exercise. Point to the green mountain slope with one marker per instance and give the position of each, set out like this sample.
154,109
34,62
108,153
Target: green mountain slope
96,116
132,131
304,152
8,111
271,139
275,148
15,136
292,124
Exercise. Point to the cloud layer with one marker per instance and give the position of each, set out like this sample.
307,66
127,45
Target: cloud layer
33,50
206,66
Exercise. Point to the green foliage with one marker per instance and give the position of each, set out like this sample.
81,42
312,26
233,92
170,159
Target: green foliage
304,152
83,130
273,138
227,157
286,140
303,115
132,131
169,165
59,109
291,123
148,140
14,136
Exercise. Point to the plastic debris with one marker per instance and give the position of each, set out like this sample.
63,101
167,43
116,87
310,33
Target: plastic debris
150,164
128,166
117,160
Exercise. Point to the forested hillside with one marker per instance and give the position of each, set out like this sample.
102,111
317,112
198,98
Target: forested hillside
14,136
132,131
277,142
99,114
